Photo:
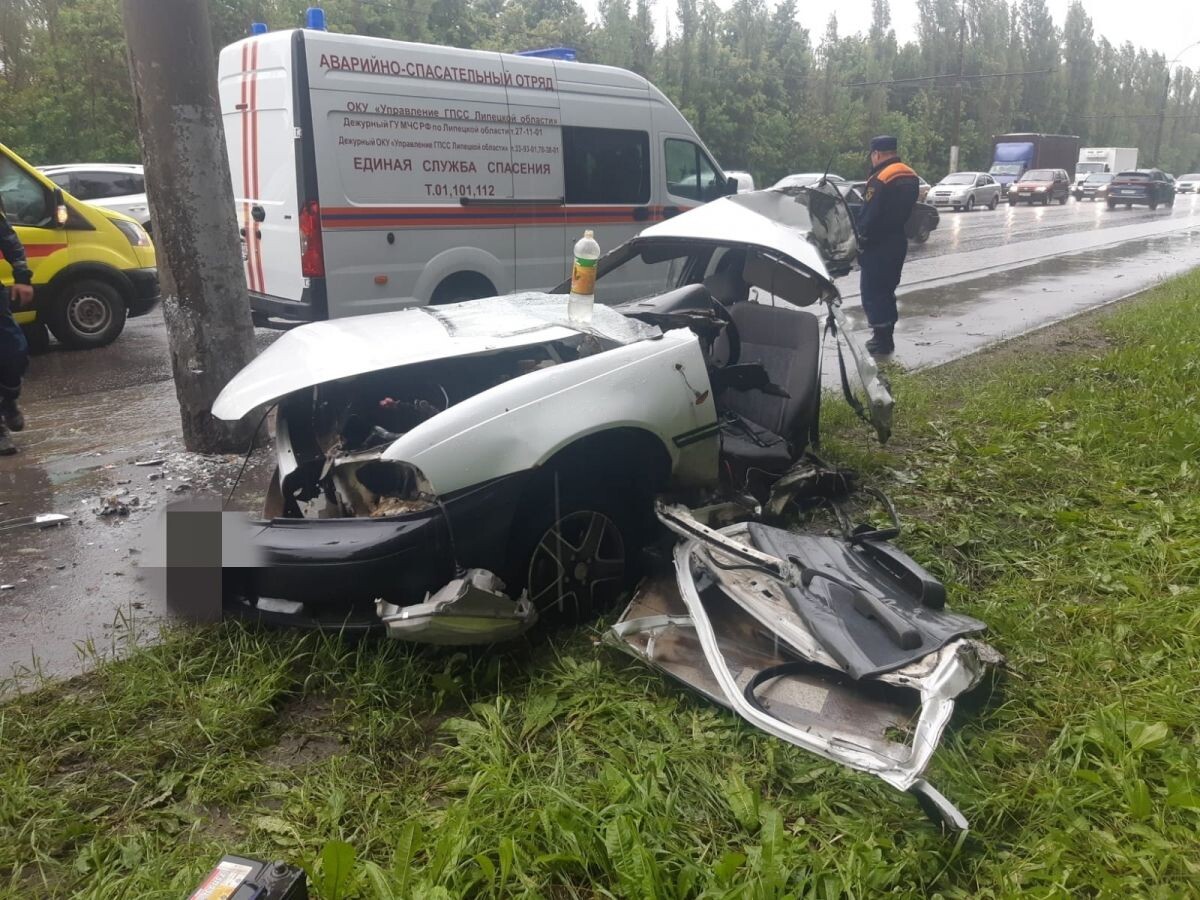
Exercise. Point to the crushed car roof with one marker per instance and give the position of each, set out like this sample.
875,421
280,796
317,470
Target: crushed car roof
779,220
321,352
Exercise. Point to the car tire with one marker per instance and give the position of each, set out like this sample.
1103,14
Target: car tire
1111,205
462,286
1129,206
1154,204
37,336
1062,201
87,313
922,234
994,202
574,552
971,203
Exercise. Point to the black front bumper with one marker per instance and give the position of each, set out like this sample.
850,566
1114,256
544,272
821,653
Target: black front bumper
144,290
331,572
340,567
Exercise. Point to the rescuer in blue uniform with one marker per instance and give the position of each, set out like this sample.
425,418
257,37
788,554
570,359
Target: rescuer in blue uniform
14,351
891,193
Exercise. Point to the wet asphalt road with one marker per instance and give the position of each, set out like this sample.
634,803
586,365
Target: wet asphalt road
982,277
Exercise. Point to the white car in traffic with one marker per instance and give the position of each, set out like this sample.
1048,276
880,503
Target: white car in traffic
116,186
1188,184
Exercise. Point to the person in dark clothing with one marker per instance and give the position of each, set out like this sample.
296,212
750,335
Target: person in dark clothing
14,351
891,193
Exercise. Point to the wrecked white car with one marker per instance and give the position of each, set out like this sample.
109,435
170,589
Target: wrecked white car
460,473
434,454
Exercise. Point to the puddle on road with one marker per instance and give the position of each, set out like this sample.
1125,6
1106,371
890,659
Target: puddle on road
84,581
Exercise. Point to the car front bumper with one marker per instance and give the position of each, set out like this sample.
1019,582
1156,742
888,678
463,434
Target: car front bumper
144,290
332,572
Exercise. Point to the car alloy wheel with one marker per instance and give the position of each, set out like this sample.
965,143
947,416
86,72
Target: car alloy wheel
578,567
971,203
995,201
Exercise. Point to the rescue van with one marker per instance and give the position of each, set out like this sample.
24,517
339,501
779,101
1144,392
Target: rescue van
92,267
371,174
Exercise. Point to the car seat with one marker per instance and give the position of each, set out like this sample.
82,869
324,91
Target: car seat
762,433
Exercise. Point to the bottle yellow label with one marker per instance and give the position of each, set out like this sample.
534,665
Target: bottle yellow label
583,277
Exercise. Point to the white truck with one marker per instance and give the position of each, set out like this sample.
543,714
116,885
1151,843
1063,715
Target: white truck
1105,159
371,175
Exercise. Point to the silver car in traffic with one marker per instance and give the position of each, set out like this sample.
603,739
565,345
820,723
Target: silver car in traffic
965,190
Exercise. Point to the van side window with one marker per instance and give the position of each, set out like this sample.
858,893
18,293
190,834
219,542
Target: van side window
606,165
689,172
23,197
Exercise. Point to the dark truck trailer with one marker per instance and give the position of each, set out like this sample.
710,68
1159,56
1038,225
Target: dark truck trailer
1014,154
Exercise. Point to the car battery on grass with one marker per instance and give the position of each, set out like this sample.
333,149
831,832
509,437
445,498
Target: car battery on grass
241,878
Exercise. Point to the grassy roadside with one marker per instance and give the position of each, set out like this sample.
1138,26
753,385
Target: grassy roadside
1054,489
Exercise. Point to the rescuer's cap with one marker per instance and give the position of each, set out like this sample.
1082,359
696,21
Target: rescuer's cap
884,143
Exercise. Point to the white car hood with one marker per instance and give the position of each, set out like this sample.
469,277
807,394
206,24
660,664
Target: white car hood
342,348
777,220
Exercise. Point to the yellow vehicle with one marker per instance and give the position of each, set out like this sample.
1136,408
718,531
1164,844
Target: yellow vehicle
91,267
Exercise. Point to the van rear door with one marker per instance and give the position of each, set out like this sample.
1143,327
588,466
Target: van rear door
607,158
536,163
261,137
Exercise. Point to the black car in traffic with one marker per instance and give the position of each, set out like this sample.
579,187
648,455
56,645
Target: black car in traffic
1094,186
1141,187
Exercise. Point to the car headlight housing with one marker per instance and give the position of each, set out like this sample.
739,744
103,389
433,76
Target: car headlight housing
134,233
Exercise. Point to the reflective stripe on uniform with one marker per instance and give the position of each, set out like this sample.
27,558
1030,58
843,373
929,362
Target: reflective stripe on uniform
895,170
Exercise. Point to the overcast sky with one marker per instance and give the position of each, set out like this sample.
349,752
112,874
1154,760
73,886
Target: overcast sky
1167,26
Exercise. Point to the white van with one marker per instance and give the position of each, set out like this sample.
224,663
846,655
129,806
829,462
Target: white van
372,174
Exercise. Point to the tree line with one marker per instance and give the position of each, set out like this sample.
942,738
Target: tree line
766,93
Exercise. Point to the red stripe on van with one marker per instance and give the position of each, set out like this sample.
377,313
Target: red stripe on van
246,166
34,251
495,216
258,265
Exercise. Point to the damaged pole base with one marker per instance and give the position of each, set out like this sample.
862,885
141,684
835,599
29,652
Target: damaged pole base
471,609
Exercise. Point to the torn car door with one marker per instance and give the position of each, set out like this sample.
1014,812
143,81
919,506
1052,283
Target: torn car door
827,644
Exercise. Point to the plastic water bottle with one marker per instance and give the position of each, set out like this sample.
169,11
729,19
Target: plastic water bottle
583,280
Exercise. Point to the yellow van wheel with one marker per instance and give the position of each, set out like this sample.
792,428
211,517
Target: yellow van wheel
87,313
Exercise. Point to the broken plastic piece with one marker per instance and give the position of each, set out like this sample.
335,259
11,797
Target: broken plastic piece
42,520
471,609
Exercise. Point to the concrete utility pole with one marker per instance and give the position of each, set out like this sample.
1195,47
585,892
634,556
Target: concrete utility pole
1162,118
962,36
174,77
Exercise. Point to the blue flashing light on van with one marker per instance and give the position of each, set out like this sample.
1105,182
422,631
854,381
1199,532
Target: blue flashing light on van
314,19
567,54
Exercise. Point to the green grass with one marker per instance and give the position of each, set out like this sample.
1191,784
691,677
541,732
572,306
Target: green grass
1056,492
